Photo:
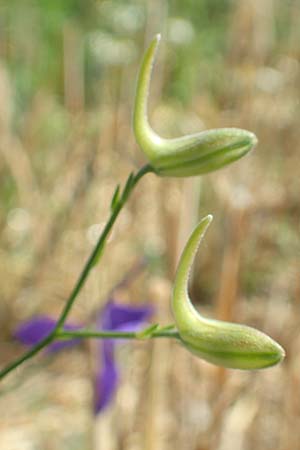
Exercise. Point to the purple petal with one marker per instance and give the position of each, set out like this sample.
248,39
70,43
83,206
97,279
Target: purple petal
106,381
119,317
36,329
132,326
115,315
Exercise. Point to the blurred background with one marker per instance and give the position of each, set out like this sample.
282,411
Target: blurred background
67,80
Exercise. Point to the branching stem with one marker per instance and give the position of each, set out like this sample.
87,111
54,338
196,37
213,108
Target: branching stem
91,262
93,334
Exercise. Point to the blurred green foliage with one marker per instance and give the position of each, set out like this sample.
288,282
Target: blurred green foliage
111,33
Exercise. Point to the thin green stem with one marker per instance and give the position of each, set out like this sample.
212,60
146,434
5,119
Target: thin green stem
101,242
94,257
33,351
91,334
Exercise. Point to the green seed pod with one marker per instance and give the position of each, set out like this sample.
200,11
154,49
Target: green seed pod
190,155
222,343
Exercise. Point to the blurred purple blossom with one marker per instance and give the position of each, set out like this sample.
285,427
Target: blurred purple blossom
36,329
114,317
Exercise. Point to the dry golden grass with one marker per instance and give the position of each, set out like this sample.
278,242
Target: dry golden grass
248,268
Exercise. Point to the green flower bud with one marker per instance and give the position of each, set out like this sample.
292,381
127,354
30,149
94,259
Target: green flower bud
222,343
189,155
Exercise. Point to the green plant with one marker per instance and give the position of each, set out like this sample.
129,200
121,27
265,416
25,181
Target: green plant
222,343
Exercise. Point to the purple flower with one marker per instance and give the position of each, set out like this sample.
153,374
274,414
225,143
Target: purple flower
114,317
34,330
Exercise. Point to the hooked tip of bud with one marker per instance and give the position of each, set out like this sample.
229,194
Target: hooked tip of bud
209,218
204,224
157,37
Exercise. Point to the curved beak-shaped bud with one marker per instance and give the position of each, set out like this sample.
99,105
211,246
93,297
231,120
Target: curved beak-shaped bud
222,343
189,155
